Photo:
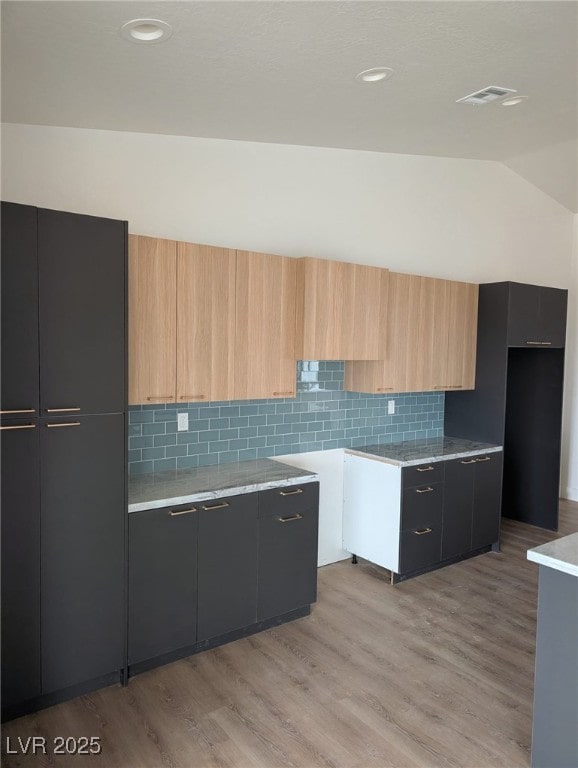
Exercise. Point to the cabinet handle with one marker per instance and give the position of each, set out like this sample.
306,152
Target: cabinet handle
290,519
424,469
456,386
535,343
423,531
546,343
19,426
182,512
291,493
290,392
216,506
64,424
192,397
62,410
384,389
160,397
23,410
469,461
486,458
424,490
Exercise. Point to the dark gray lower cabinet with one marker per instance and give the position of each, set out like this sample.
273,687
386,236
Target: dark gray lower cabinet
20,486
82,556
421,516
162,609
227,570
487,500
288,533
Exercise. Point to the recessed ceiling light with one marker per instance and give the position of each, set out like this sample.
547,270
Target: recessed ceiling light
146,30
374,75
513,100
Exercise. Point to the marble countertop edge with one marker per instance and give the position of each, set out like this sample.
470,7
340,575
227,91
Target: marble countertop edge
422,459
560,554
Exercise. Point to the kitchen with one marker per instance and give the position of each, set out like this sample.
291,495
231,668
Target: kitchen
383,213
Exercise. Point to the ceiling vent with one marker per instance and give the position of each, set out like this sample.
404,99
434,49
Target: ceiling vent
486,95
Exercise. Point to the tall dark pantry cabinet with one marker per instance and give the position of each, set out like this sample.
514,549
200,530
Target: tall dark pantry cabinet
63,435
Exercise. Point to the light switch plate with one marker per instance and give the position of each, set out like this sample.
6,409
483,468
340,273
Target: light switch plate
182,422
390,407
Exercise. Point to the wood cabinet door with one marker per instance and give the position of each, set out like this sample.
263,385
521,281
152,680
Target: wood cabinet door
424,356
462,335
152,273
265,326
339,311
82,301
19,305
205,322
553,307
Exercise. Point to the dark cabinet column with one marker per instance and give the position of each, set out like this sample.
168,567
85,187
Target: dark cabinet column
523,315
228,557
458,507
82,312
553,308
82,558
487,500
162,581
20,486
19,322
288,528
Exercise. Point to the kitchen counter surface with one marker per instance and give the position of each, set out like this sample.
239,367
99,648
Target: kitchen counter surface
560,554
182,486
411,452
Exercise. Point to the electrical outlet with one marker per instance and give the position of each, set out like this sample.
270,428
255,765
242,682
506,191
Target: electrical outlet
390,407
182,422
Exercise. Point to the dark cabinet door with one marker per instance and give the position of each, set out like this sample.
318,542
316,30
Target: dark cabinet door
20,486
487,500
420,548
553,307
288,531
524,315
82,312
19,322
227,572
82,558
458,507
162,569
422,506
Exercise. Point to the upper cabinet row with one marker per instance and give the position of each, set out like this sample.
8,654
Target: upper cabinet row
208,324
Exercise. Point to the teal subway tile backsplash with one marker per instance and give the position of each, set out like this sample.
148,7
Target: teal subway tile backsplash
321,417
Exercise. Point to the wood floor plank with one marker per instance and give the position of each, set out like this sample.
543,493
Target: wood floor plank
435,671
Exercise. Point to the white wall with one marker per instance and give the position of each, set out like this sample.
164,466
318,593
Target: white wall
569,480
461,219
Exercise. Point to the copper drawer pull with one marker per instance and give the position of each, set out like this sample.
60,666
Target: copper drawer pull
159,397
424,490
192,397
216,506
423,531
24,410
291,493
424,469
384,389
470,461
290,392
290,519
182,512
486,458
19,426
64,424
62,410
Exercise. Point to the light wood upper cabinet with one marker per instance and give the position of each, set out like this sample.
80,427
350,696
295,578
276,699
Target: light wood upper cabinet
430,329
205,300
152,265
265,326
340,306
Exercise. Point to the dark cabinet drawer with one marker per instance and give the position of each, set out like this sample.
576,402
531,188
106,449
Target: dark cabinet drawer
420,548
422,506
423,474
288,499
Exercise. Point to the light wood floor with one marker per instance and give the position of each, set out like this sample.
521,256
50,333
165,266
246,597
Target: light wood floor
436,671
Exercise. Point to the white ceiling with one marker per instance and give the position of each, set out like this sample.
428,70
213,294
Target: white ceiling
284,72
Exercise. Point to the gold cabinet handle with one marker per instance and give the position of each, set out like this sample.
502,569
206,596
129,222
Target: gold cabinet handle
172,513
546,343
535,343
159,397
215,506
63,424
423,531
23,410
192,397
291,493
62,410
18,426
485,458
290,519
425,469
277,394
424,490
456,386
469,461
384,389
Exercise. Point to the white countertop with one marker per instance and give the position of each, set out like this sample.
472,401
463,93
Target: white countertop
560,554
